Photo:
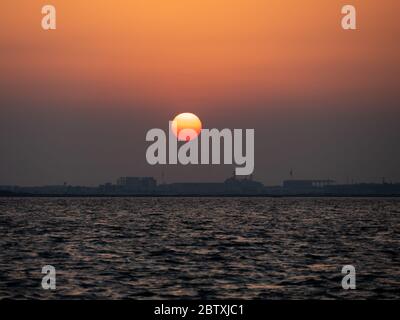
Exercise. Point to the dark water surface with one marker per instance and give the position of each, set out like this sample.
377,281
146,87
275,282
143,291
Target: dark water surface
199,247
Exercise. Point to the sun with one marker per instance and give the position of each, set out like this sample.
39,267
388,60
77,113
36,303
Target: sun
186,126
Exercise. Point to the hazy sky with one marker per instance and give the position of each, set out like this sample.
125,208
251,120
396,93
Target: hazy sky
76,102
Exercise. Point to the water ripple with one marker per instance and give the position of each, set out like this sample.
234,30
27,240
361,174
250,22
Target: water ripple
155,248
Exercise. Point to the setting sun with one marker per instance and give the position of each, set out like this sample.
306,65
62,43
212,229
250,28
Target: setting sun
186,126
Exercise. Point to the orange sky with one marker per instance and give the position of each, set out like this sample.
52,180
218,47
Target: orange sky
198,52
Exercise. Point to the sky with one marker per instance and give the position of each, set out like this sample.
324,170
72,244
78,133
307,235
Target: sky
76,102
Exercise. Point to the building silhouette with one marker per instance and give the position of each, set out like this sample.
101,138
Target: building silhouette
233,186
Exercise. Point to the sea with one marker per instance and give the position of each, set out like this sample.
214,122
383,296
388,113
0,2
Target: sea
199,248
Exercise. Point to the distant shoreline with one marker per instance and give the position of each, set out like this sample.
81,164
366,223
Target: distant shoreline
199,196
147,187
